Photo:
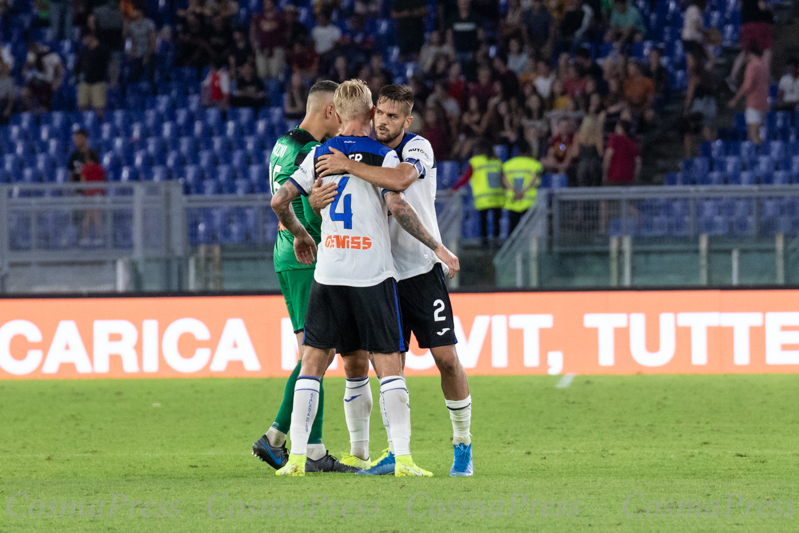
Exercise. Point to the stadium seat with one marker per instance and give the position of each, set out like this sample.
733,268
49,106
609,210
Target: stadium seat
447,174
128,174
243,187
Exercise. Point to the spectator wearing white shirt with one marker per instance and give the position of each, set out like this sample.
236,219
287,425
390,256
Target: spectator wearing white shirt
543,82
325,36
788,95
517,57
216,85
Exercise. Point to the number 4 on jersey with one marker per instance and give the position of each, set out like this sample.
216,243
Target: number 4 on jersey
346,215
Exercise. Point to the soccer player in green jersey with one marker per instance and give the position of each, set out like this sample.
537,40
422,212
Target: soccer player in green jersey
320,123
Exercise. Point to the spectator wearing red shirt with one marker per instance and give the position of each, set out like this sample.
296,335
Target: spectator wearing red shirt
437,131
456,84
574,85
216,85
755,88
622,162
559,154
268,37
92,227
485,88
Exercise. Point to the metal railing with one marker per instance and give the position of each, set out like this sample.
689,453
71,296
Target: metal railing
516,263
144,236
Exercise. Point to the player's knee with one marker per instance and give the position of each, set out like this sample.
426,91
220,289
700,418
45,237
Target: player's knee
356,365
446,359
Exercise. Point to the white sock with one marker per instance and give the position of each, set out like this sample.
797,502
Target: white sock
460,411
275,436
306,402
357,408
398,412
316,451
385,424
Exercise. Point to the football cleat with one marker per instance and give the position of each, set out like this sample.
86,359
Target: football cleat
328,463
382,467
385,454
294,467
462,461
274,456
405,467
352,460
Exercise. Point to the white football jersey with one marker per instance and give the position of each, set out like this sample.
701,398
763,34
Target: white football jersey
355,249
411,257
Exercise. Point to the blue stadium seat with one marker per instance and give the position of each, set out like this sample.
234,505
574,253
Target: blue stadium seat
46,164
447,174
31,175
128,174
240,159
222,145
672,178
777,150
245,116
192,179
502,152
226,176
781,177
243,187
210,187
159,173
748,153
748,178
206,159
764,168
716,178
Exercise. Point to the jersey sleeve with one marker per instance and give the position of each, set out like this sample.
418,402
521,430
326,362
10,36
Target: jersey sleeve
391,160
303,177
419,152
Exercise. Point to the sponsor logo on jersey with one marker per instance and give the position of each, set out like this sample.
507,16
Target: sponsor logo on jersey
347,242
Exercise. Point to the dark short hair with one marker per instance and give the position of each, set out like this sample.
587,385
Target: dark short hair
81,131
755,50
583,52
402,94
626,126
324,86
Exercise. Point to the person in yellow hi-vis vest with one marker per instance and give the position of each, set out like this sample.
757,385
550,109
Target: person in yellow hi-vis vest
484,174
523,174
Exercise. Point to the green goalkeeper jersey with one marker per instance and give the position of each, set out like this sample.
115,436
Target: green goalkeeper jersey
288,153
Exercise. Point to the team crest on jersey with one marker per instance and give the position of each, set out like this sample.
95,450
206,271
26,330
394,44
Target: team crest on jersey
348,242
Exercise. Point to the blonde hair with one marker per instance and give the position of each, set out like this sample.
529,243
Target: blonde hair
590,129
353,100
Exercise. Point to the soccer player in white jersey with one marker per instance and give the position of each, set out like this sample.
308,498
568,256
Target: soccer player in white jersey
423,295
353,305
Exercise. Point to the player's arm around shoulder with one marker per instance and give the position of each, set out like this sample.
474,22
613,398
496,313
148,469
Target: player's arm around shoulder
406,216
304,245
397,178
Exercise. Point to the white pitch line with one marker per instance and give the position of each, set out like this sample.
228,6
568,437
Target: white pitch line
565,381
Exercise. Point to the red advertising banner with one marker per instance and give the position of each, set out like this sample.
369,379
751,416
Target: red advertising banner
613,332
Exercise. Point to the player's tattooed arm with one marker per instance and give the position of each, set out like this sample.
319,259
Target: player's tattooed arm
395,179
304,245
406,216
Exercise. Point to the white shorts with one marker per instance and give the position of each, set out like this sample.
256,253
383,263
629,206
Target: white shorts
753,116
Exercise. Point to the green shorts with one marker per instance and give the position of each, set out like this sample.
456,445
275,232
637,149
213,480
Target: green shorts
295,286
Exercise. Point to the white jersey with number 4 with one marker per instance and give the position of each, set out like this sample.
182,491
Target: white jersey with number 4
411,257
355,249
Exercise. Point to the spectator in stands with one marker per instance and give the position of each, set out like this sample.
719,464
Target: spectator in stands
539,29
517,57
296,30
268,39
409,15
484,174
432,50
589,148
8,93
626,24
325,37
575,24
615,105
622,161
91,71
44,75
80,155
536,126
357,43
757,20
379,68
507,79
788,91
107,23
699,111
441,97
249,89
693,34
523,174
473,124
560,153
456,84
61,13
240,53
294,98
558,98
437,130
659,75
165,53
464,32
586,66
141,32
639,92
544,79
485,88
303,60
755,89
220,38
193,49
340,72
92,226
512,26
574,83
216,85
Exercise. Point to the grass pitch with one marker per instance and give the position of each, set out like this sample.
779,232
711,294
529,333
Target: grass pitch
607,453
